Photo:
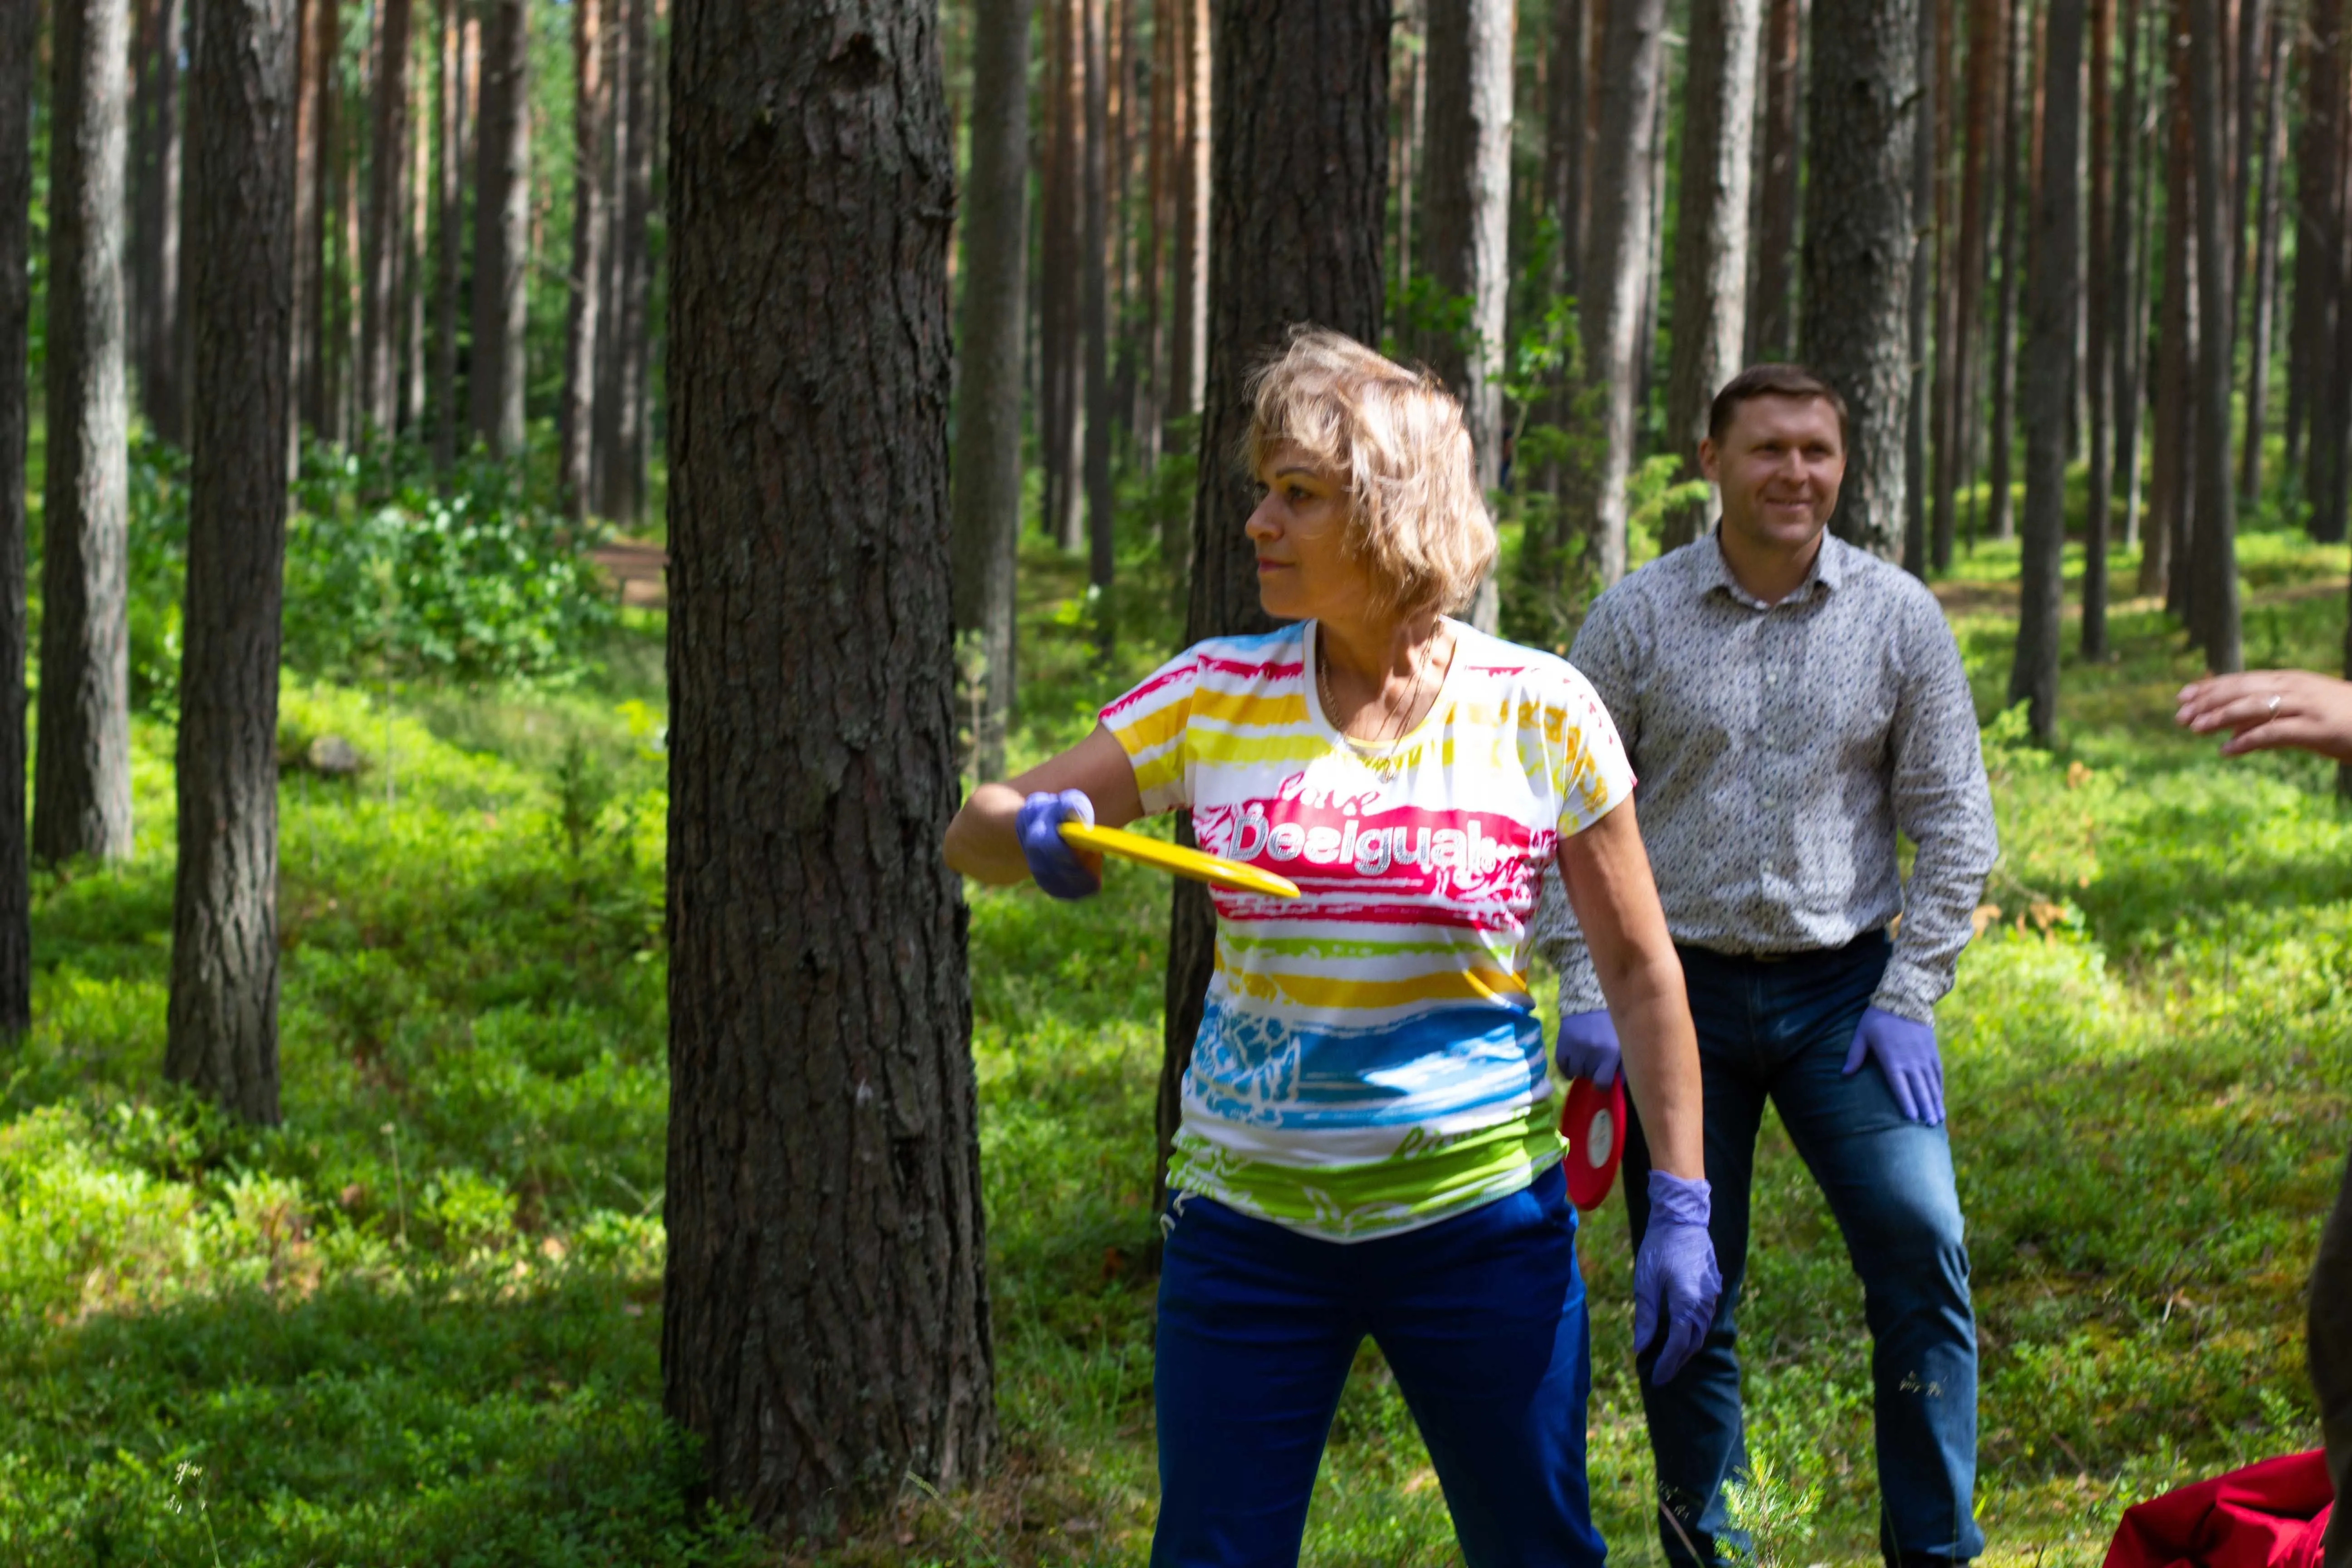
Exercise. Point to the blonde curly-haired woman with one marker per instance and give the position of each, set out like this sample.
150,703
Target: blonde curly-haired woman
1369,1139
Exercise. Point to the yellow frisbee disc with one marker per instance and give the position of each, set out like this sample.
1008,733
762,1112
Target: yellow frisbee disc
1165,856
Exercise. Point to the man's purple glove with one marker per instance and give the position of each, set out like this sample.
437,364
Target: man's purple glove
1906,1055
1587,1046
1053,860
1675,1282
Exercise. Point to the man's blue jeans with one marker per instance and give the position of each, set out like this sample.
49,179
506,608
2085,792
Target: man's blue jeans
1779,1030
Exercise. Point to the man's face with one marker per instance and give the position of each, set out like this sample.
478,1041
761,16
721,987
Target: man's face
1779,467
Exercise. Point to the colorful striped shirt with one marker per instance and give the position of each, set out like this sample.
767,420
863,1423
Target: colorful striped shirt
1369,1059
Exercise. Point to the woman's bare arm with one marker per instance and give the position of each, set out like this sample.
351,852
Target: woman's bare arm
980,841
1607,872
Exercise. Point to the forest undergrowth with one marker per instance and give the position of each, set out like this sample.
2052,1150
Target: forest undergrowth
420,1322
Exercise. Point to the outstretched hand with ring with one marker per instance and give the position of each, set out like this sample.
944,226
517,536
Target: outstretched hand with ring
2266,709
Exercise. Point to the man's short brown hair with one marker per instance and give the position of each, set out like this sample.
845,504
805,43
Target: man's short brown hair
1792,381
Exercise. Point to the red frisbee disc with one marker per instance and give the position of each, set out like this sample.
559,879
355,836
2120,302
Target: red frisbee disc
1594,1125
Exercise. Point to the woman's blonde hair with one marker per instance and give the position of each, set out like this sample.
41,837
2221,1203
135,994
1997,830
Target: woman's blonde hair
1395,439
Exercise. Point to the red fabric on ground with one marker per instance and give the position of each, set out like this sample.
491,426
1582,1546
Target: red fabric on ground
2270,1515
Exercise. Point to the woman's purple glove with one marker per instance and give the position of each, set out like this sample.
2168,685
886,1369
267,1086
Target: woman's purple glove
1675,1282
1906,1055
1587,1046
1053,860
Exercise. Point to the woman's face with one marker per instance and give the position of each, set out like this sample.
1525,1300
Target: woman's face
1304,570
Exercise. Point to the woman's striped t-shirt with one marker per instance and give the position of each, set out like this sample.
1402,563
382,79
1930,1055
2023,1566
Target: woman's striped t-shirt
1369,1060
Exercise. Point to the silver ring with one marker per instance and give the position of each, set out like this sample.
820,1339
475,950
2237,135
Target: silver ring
2273,711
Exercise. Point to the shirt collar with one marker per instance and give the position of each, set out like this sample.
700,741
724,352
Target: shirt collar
1828,571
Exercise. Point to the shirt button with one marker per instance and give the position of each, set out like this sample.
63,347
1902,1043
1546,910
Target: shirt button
1771,678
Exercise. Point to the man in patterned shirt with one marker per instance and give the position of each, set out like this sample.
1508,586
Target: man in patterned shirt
1790,703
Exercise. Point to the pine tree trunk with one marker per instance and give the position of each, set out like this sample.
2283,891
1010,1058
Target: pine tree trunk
448,254
1769,322
1962,248
624,455
313,279
1157,217
416,197
2167,501
2128,298
2049,346
81,795
2319,216
1710,231
1066,515
987,472
1617,258
1564,116
18,27
156,268
2213,581
2265,273
1188,351
381,250
2094,371
1858,238
576,462
615,173
1918,334
825,1319
1467,186
338,327
222,1032
1093,307
1274,263
502,228
2002,431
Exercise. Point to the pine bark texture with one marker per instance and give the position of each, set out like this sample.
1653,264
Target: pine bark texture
576,462
81,793
502,228
1467,186
222,1029
1274,262
826,1327
2214,560
993,336
1711,230
380,253
1857,247
2049,351
1771,324
1617,257
17,28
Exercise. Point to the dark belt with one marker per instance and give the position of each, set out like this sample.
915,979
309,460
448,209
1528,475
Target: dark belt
1869,942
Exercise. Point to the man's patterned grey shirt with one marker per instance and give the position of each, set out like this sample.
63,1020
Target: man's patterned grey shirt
1778,749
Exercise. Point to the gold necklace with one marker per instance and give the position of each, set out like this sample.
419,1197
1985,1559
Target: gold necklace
1374,752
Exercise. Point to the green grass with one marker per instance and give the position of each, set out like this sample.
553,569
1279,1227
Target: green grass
420,1323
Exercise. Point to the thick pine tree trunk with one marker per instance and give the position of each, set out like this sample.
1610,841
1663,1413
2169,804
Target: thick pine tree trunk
1276,262
2002,429
2213,579
1711,230
1769,322
1857,251
1467,186
825,1330
502,228
81,795
222,1032
2094,371
1617,257
2265,275
2049,351
381,249
448,252
17,28
987,493
575,465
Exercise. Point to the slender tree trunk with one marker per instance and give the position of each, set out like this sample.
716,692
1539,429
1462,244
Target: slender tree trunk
1858,241
2049,345
2130,296
380,252
156,272
221,1033
2319,209
2176,354
2002,432
1274,263
1617,255
624,455
1159,217
2213,585
1188,361
1964,244
81,795
987,472
576,462
2264,275
1768,317
2094,371
315,278
1711,230
18,27
341,324
825,1316
1095,322
619,129
502,228
1067,288
1564,117
1468,186
417,197
448,256
308,71
1922,402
